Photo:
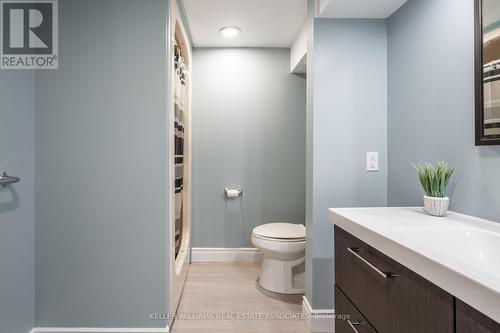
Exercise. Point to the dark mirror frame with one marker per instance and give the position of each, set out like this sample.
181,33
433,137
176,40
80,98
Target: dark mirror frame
478,77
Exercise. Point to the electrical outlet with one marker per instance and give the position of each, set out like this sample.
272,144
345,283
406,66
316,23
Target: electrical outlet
372,161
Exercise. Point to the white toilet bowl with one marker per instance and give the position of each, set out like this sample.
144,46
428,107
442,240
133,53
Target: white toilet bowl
283,265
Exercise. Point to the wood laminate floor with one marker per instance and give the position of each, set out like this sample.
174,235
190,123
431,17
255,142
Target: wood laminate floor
222,297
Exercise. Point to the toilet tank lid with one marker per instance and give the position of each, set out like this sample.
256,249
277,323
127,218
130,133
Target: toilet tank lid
281,230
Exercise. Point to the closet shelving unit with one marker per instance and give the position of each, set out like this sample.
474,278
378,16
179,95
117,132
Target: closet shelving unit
180,155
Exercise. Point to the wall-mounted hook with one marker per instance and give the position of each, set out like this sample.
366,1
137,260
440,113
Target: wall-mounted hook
5,179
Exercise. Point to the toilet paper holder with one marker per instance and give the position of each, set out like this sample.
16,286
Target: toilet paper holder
231,194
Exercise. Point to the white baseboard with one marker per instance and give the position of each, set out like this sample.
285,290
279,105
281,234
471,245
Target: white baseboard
318,321
216,254
97,330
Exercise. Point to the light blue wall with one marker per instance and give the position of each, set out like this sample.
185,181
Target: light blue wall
309,148
348,119
431,105
249,131
101,168
16,202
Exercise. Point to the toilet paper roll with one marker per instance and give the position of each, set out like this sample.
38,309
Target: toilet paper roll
232,193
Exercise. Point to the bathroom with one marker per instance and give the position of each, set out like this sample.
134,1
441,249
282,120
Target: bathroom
307,114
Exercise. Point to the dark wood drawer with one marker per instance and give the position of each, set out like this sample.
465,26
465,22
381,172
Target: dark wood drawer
401,301
470,320
355,323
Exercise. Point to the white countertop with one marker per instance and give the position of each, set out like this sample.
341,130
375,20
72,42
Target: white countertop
458,253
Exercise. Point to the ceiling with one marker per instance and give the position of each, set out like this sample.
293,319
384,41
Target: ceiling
263,23
359,8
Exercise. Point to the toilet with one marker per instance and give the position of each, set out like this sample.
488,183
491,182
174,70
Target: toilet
283,246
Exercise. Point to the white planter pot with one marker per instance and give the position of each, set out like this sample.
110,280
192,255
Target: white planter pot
436,206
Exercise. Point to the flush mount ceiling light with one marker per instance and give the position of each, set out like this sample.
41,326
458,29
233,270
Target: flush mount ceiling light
230,32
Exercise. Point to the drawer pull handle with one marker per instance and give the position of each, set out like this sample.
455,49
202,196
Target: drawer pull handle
353,325
355,253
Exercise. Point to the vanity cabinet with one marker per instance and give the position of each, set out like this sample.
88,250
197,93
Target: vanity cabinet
380,295
391,297
470,320
356,322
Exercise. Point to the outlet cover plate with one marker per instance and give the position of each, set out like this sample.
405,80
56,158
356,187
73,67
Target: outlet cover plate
372,161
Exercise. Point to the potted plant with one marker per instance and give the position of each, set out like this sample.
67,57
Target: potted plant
434,180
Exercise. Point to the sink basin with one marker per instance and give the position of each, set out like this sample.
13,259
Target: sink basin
475,247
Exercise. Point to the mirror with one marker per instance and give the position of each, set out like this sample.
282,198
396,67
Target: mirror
487,68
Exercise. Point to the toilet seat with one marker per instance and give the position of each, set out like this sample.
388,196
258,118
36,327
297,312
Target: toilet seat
280,232
280,240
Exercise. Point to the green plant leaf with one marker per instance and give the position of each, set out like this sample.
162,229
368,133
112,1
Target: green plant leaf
434,179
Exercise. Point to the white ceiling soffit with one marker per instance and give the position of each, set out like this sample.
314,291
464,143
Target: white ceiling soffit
359,8
263,23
